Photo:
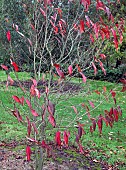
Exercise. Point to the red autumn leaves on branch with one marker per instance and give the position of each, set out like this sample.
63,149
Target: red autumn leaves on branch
8,35
59,141
110,116
4,67
28,153
15,66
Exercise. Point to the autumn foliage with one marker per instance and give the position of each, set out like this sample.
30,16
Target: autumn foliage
43,114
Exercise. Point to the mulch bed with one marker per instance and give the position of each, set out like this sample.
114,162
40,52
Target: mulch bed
61,87
62,159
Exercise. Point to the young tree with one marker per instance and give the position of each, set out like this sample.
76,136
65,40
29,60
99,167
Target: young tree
62,39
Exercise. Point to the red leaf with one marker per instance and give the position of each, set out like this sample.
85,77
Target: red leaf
100,5
92,38
59,12
123,81
75,27
42,12
80,130
28,103
87,21
29,126
83,77
51,108
22,100
10,80
56,65
32,90
91,129
123,89
46,90
37,92
105,120
15,66
34,82
91,104
17,99
34,113
75,110
115,38
8,35
101,20
66,138
116,115
96,30
103,56
52,120
109,120
28,153
106,31
82,26
94,124
77,138
17,115
62,24
35,128
113,93
112,18
119,110
54,17
99,123
60,73
45,3
97,92
111,112
81,149
95,69
32,26
121,39
57,138
70,70
44,145
101,65
104,89
55,29
102,35
4,67
78,68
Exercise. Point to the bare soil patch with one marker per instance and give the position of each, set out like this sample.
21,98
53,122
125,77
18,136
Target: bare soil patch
61,87
69,158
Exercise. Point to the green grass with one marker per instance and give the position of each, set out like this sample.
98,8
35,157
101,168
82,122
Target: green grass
110,147
21,75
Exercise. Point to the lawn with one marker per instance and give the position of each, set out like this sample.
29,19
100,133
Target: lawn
109,147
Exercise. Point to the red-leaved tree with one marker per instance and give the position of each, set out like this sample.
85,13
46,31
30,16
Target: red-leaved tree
63,40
